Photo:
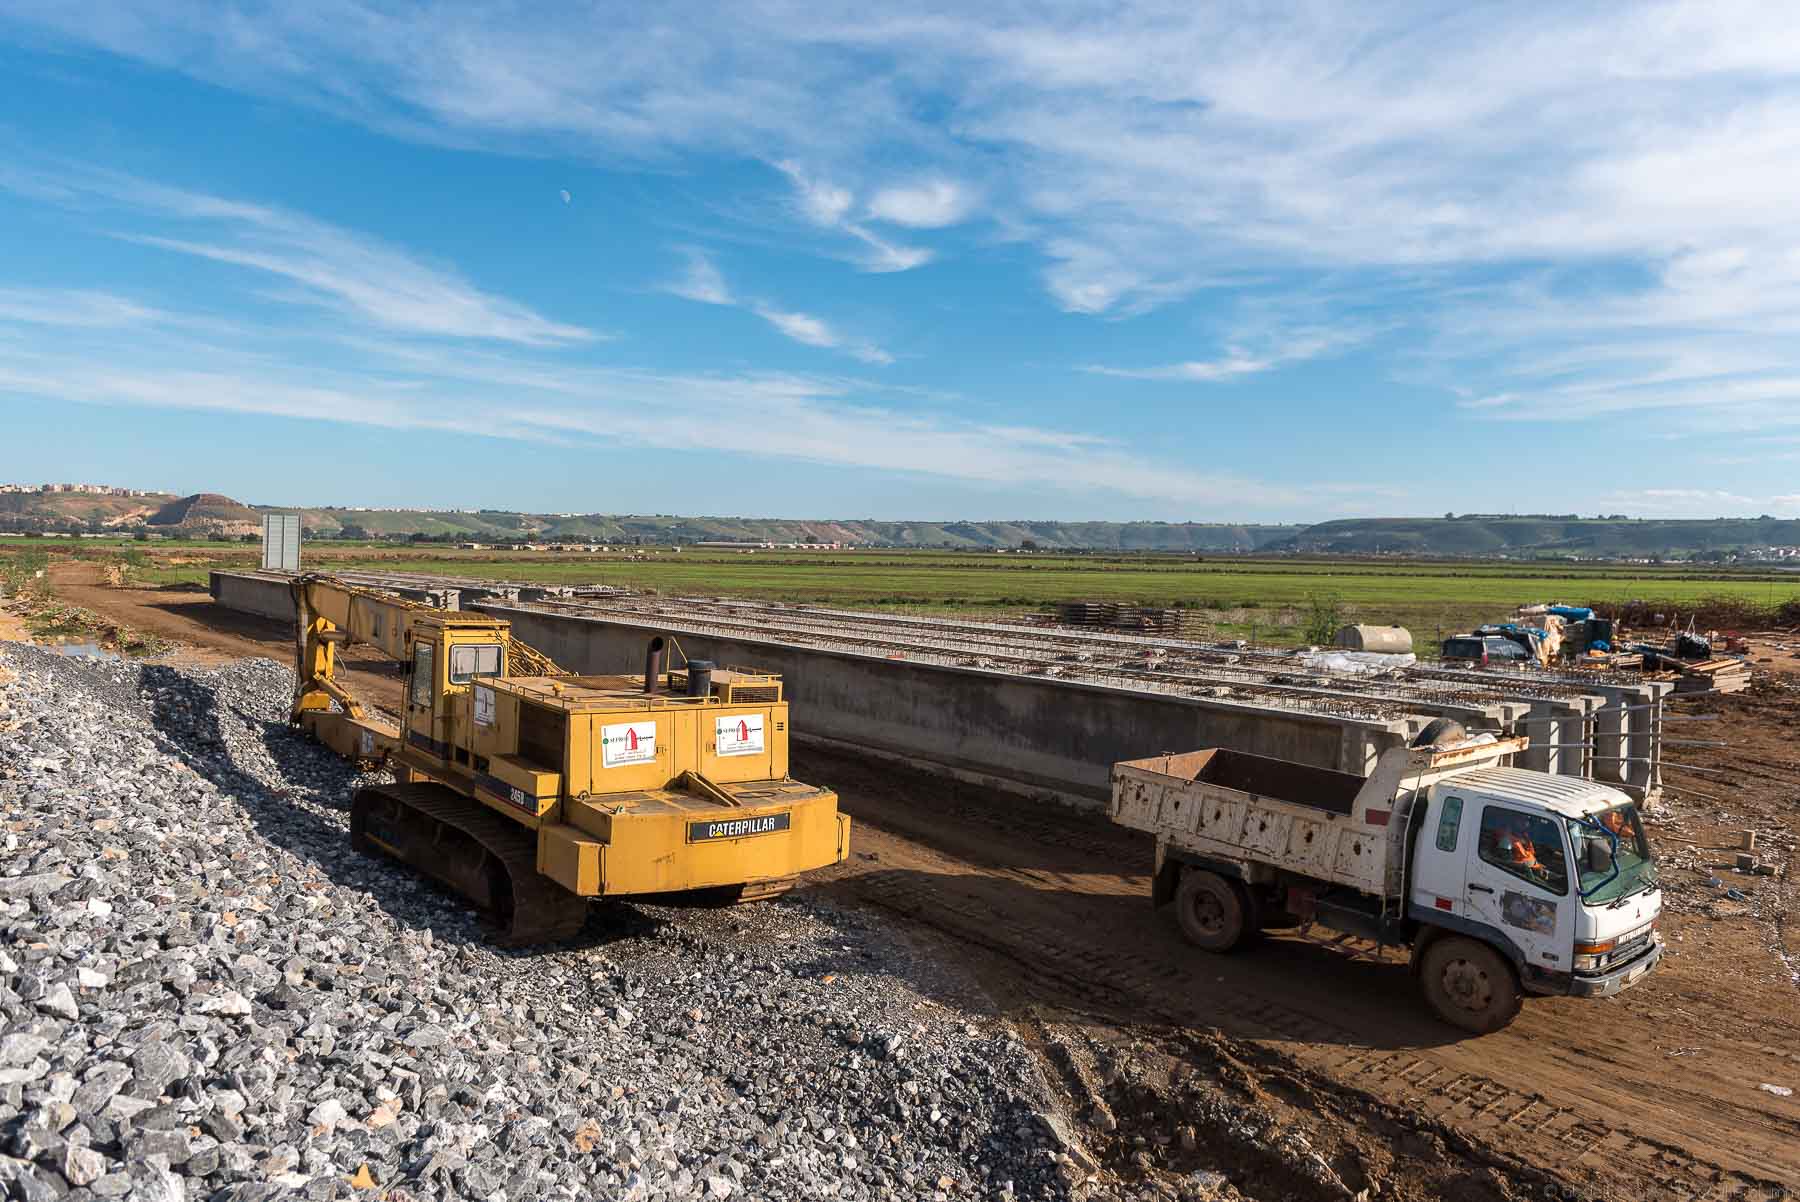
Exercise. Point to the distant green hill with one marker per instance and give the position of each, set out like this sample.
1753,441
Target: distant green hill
1490,535
659,528
201,513
207,509
32,511
1471,535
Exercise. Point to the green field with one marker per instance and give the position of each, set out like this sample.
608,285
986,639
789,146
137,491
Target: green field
1264,598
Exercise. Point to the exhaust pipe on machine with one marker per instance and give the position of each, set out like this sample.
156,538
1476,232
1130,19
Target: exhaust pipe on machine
653,658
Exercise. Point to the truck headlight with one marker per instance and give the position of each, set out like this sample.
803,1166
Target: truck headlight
1588,956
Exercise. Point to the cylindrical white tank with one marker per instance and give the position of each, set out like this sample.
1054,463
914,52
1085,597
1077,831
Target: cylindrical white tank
1389,640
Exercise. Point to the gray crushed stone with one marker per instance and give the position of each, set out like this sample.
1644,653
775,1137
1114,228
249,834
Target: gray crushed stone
204,993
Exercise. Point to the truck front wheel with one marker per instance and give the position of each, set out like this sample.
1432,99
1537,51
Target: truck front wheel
1469,984
1212,913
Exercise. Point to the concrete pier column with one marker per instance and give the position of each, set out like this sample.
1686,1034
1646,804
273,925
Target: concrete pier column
1659,694
1609,742
1577,729
1543,726
1642,772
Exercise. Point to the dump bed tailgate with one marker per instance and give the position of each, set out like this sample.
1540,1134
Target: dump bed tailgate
1208,803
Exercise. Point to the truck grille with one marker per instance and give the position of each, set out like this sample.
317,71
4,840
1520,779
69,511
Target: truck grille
1630,948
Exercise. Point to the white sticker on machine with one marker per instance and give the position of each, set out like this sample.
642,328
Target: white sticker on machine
627,743
738,734
484,706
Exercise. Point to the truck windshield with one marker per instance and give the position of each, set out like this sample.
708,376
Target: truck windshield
1608,841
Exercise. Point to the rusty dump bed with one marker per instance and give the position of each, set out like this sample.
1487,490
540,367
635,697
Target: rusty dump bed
1265,816
1270,816
1284,780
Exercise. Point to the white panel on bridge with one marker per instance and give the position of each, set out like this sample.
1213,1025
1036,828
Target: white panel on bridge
281,542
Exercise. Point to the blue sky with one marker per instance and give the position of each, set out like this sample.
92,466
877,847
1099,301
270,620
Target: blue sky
1174,261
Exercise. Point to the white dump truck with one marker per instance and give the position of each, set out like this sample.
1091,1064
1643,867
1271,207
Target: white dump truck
1503,882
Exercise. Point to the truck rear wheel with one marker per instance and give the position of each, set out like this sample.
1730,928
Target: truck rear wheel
1212,913
1469,984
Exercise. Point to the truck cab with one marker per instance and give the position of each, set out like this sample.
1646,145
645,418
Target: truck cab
1552,871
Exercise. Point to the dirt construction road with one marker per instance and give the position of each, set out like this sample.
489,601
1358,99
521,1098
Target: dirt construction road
1654,1094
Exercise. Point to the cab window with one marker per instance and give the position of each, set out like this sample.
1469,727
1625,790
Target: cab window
1449,823
1527,846
474,659
422,680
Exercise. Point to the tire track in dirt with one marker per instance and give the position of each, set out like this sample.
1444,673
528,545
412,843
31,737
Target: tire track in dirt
1535,1128
1066,930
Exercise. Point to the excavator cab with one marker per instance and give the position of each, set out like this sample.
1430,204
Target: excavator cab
447,656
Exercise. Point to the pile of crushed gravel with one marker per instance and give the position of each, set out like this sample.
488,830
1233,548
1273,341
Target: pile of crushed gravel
204,993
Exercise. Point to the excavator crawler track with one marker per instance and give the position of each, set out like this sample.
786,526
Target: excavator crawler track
473,851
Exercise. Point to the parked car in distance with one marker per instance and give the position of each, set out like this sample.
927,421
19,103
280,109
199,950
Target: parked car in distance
1531,640
1482,650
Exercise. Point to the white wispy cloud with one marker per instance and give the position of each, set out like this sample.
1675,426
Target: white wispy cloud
704,282
801,327
1235,362
828,205
394,383
926,204
347,272
823,202
363,278
701,281
72,307
814,331
1272,350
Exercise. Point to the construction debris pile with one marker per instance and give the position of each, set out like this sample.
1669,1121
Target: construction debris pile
1721,880
208,995
1578,636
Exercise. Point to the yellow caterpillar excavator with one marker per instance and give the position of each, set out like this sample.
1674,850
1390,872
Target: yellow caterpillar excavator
529,790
